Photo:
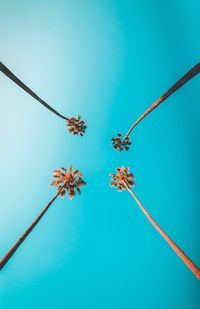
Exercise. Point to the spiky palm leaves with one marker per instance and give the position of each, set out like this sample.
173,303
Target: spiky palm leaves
120,143
122,178
68,181
125,180
76,125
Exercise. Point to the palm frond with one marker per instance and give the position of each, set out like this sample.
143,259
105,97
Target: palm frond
70,179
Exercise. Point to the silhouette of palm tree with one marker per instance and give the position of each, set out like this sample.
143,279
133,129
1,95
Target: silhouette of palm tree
76,125
124,143
124,180
68,181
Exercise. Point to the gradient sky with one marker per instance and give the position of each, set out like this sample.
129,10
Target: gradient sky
108,61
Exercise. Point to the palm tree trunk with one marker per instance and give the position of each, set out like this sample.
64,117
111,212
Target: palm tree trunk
189,75
172,244
17,81
10,253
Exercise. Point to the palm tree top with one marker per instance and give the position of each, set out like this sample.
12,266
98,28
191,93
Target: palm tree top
76,126
71,181
122,178
121,144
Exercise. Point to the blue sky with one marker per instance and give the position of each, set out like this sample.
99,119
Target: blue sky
107,61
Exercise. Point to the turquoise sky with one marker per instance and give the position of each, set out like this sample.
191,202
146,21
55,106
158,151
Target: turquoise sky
108,61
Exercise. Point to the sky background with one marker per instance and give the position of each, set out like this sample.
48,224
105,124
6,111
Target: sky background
107,61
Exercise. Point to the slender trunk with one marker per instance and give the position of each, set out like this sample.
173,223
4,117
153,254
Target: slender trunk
16,80
172,244
10,253
189,75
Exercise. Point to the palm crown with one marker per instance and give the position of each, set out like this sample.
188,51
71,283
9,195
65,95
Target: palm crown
70,180
121,144
76,126
122,178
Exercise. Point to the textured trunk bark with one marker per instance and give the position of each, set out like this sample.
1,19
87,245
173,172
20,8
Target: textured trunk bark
10,253
189,75
172,244
17,81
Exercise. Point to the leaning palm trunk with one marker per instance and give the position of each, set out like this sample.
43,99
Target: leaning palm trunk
16,80
10,253
189,75
172,244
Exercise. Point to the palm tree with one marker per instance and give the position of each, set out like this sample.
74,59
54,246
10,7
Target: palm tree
123,144
124,180
68,181
76,125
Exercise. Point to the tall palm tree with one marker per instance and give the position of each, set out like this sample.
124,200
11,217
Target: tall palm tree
76,125
124,143
67,181
124,180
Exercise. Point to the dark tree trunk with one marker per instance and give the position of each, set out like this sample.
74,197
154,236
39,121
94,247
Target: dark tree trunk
189,75
17,81
10,253
188,262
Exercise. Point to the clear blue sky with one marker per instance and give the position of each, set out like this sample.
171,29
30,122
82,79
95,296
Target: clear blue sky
108,61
